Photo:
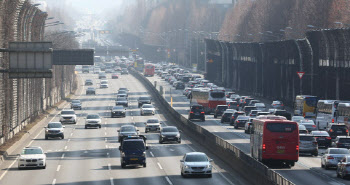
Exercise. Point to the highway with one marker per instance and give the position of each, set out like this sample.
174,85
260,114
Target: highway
306,171
91,156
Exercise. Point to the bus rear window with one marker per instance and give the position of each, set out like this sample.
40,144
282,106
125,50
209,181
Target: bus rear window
217,94
281,127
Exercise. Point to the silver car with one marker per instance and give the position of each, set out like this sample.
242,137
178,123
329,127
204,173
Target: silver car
309,124
308,144
277,105
332,156
196,163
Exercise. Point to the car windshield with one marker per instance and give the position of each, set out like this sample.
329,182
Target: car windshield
344,140
91,88
276,102
127,129
320,133
196,158
170,129
260,105
118,107
54,125
134,145
67,112
123,89
242,118
76,101
307,138
93,116
152,121
145,98
88,81
30,151
147,106
121,92
338,151
222,107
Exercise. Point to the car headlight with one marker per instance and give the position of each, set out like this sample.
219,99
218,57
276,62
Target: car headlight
178,135
40,159
144,154
187,167
123,154
209,166
162,135
21,159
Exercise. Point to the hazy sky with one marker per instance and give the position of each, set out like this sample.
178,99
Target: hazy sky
97,6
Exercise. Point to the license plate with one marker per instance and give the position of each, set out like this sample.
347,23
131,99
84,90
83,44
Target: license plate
340,131
196,114
134,159
280,151
321,138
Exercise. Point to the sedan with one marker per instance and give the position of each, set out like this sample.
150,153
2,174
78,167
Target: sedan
122,101
93,120
169,133
90,90
322,138
88,82
75,104
309,124
240,121
32,157
277,105
196,163
152,124
127,130
343,167
118,111
332,156
115,76
147,109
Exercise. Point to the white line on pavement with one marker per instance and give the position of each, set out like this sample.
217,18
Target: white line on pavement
62,156
71,134
106,146
151,154
111,179
54,182
109,166
65,147
160,166
2,176
68,140
58,168
169,181
105,133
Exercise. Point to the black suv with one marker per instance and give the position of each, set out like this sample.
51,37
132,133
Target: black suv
133,151
180,85
196,112
220,109
248,109
235,115
144,100
284,113
335,130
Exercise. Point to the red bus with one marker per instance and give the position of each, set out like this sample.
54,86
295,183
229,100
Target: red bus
275,140
149,70
208,98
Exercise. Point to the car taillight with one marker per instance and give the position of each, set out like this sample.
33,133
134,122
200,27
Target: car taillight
264,147
314,126
330,157
233,117
332,120
282,105
297,147
245,102
328,138
274,104
237,105
237,121
191,112
346,131
250,114
331,130
347,165
202,112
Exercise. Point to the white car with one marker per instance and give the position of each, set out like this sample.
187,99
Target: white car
147,109
332,156
195,163
260,106
152,124
93,120
32,157
104,84
298,118
68,116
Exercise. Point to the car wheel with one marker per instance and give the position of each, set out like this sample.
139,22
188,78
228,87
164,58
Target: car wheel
209,176
215,116
326,167
19,168
46,138
182,174
322,166
235,126
203,119
62,137
99,126
144,165
86,127
160,142
245,131
123,165
145,131
179,141
44,167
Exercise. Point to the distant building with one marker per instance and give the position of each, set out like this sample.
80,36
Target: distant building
221,1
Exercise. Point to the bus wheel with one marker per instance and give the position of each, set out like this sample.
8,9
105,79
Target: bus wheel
291,164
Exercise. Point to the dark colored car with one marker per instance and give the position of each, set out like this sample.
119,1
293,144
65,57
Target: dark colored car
124,72
240,121
75,104
233,105
180,85
228,94
246,101
196,112
248,109
88,82
144,100
322,138
226,116
342,142
283,113
220,109
122,101
90,90
118,111
335,130
133,151
126,131
168,134
235,115
253,102
115,76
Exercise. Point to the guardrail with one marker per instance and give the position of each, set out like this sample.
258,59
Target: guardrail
249,168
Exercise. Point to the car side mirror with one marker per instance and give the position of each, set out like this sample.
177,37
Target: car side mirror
120,147
64,126
118,130
45,127
210,160
45,153
181,160
137,130
180,131
146,147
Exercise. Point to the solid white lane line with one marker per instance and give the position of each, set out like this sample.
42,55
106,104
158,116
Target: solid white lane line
105,133
30,143
66,147
132,118
58,168
38,134
105,128
109,166
160,166
169,181
105,139
111,179
106,146
68,140
151,154
54,182
62,156
3,175
71,134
